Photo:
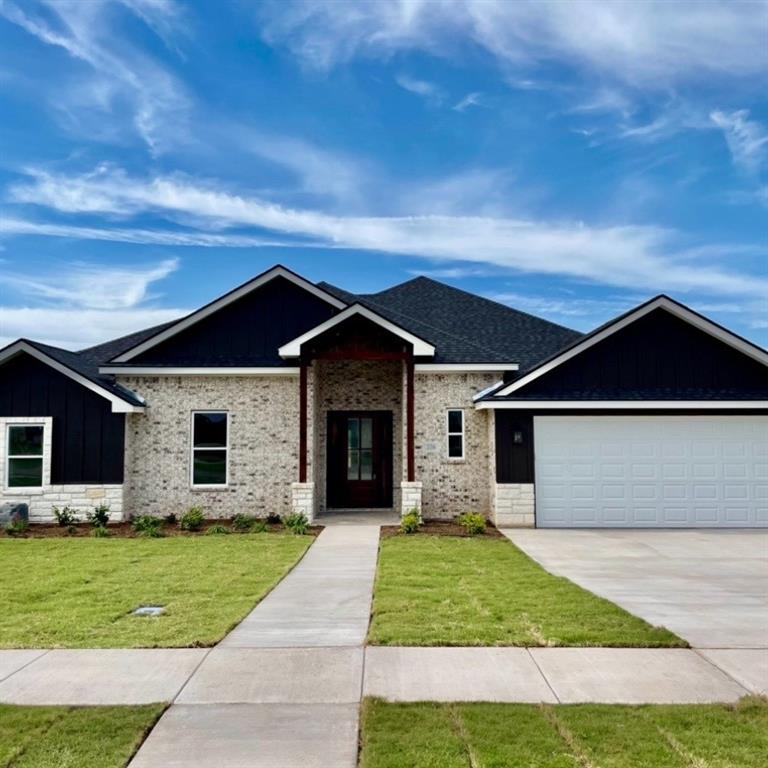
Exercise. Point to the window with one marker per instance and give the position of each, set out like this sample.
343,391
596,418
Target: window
25,456
359,448
456,434
209,447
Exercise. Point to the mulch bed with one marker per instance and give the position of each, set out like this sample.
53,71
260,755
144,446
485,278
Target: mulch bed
125,530
441,528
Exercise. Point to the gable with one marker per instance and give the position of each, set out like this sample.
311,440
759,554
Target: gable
658,356
245,332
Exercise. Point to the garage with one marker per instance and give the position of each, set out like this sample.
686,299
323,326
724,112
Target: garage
643,471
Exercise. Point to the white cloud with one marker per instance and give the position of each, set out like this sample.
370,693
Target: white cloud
78,328
650,44
629,256
91,286
747,139
119,72
473,99
431,92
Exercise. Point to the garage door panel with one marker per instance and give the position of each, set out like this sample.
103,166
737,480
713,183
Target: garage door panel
651,471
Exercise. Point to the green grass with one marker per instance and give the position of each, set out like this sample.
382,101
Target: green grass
433,590
428,735
73,737
79,593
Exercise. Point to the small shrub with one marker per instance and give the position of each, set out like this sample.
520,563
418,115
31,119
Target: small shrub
100,516
217,530
71,530
259,526
243,523
192,520
65,517
170,519
273,518
296,523
472,523
17,528
101,532
411,521
149,526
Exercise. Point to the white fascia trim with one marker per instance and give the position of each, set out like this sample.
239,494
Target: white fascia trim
216,305
625,405
118,404
484,392
420,347
464,367
660,303
128,370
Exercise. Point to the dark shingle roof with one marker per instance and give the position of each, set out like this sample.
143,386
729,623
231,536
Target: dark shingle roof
465,328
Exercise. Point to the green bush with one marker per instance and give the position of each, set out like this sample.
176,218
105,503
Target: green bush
71,530
218,530
149,526
259,525
17,528
296,523
472,523
100,516
101,532
273,518
192,520
243,523
411,521
170,519
65,517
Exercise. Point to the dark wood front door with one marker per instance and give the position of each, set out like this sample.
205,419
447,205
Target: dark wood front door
359,459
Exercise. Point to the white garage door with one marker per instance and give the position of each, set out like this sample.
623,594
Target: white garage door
651,471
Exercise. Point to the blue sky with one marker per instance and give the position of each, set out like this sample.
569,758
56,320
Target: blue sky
570,159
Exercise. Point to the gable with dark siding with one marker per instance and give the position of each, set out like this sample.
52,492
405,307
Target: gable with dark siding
657,357
247,332
87,438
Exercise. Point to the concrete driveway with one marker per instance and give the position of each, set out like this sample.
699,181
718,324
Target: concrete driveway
709,587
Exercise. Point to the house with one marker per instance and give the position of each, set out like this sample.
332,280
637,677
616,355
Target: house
288,395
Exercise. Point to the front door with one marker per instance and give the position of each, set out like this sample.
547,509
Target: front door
359,459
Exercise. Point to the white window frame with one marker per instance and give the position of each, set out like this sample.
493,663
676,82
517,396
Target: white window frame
449,434
46,422
192,449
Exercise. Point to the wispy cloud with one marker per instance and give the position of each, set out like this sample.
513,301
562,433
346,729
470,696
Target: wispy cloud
430,92
653,44
91,286
630,256
747,139
119,72
474,99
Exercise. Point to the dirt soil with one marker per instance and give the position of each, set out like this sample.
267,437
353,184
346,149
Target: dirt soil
125,530
440,528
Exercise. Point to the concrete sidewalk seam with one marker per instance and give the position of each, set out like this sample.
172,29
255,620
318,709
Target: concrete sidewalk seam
544,677
724,671
191,675
24,666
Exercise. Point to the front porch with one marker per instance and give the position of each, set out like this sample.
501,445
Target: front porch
356,423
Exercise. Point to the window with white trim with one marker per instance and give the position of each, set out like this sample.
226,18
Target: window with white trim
455,425
24,467
210,448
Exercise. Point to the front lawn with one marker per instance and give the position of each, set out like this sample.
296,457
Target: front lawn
79,593
440,590
428,735
73,737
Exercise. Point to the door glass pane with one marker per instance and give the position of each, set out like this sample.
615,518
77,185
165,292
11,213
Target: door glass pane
25,441
455,449
210,430
454,421
366,433
353,434
25,473
366,465
210,468
353,464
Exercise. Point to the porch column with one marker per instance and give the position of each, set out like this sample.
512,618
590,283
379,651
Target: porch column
303,422
410,417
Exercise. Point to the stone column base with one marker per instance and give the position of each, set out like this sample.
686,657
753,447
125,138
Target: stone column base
513,505
410,497
303,499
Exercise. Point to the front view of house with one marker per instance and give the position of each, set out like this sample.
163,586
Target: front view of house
289,395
